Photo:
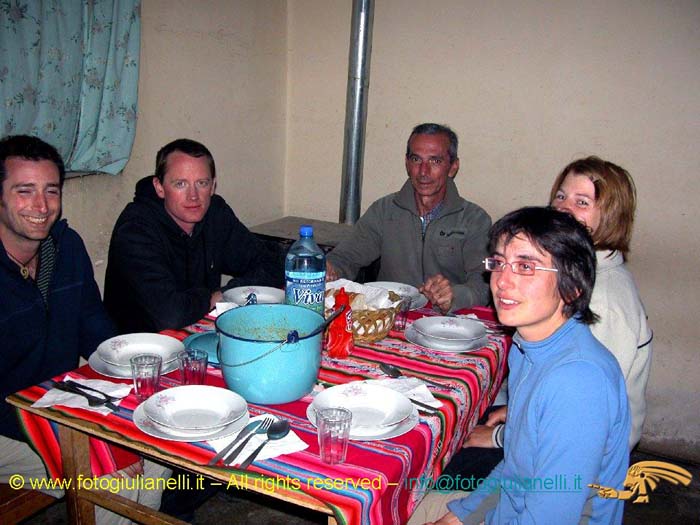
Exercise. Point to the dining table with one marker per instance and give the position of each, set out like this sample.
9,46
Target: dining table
381,481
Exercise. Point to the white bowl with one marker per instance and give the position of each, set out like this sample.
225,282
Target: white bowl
264,295
118,351
195,407
442,329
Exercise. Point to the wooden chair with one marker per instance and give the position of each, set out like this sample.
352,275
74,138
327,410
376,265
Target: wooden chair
18,505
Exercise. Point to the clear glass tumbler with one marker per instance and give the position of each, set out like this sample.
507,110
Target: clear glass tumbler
333,434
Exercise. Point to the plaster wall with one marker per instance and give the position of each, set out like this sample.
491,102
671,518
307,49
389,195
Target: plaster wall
528,86
213,71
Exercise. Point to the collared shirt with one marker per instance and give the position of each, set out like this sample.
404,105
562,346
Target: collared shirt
431,215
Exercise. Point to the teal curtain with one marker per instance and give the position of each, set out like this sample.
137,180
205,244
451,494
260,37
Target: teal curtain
69,74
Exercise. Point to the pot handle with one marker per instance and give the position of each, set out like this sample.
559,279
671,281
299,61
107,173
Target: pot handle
325,323
292,337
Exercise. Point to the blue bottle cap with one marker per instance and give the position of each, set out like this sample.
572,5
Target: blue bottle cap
306,231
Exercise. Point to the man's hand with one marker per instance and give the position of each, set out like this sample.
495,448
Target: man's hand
331,272
216,297
438,290
447,519
482,435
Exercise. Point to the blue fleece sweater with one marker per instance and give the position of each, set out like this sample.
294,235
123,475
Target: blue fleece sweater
568,424
38,342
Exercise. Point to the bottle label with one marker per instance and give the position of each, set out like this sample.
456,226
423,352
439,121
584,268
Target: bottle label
307,289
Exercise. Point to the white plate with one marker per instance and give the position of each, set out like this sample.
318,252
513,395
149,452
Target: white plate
415,337
449,330
122,372
264,294
119,350
195,407
406,425
374,408
142,421
418,300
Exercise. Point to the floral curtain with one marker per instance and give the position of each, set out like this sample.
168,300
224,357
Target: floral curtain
69,74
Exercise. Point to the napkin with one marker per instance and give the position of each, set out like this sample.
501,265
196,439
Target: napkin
375,298
411,387
222,307
277,447
59,397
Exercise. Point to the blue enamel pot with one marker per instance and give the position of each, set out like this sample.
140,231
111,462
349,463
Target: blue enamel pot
264,353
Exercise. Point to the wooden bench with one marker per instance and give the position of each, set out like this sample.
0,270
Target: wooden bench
18,505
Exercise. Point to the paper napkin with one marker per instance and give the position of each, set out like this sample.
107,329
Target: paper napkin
220,308
59,397
411,387
277,447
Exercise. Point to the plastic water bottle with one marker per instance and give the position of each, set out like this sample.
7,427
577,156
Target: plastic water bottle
305,272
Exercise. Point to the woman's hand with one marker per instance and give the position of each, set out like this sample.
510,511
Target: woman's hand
482,435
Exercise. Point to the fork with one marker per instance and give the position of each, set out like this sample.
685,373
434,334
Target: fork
93,401
75,384
262,429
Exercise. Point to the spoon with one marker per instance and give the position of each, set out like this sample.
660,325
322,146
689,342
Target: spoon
260,429
394,372
277,430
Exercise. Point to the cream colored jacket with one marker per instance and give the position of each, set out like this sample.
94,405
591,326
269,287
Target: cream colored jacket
623,329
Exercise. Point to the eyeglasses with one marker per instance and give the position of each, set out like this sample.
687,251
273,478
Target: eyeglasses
518,267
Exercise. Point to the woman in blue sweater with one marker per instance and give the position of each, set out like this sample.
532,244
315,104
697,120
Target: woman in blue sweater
568,420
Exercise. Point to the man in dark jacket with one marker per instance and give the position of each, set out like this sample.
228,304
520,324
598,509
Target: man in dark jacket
171,245
50,308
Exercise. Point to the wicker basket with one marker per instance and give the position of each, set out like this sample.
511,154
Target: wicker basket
370,326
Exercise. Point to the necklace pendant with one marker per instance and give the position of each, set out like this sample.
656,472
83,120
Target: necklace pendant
24,271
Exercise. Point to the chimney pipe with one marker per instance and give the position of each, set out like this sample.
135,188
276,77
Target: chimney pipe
356,110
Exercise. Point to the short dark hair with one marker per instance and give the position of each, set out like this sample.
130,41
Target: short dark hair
428,128
29,148
568,243
188,147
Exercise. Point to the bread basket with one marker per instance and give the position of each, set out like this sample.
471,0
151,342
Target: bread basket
370,326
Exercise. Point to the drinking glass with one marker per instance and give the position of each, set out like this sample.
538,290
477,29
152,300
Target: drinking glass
401,318
333,434
193,366
145,370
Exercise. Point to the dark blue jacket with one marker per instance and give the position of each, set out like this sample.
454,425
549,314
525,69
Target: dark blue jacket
37,342
159,277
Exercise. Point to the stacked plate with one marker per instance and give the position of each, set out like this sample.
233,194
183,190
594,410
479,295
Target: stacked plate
192,413
418,300
263,294
447,334
112,356
377,412
207,341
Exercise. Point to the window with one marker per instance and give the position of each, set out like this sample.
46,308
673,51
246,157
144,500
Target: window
69,74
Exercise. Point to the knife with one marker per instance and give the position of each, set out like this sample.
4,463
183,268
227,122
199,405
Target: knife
93,401
247,431
424,407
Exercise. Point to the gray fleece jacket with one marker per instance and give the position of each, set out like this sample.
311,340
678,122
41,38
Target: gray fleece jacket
454,244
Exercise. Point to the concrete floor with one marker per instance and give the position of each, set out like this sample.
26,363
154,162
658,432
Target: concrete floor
668,504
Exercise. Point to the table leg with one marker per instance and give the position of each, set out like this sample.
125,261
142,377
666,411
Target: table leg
75,452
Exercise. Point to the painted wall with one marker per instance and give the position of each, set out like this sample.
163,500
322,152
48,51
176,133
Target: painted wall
215,72
529,86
